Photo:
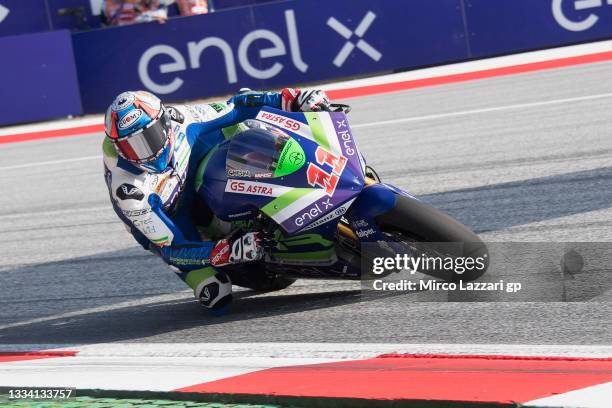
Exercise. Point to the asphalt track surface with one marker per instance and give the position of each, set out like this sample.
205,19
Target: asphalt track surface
518,158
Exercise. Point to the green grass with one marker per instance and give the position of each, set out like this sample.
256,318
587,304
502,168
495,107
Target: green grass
90,402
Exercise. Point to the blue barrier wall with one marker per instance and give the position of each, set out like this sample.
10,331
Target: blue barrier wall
284,43
23,16
266,46
40,81
506,26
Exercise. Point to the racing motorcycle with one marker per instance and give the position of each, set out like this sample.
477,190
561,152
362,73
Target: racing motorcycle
300,180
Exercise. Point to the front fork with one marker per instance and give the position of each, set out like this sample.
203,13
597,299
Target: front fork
374,200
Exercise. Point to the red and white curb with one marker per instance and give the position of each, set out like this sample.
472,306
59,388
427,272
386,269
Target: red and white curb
447,74
543,376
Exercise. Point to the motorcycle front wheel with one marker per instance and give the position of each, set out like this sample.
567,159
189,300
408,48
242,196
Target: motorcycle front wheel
422,230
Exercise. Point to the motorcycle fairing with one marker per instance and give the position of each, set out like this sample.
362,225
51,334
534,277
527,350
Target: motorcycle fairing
331,175
331,132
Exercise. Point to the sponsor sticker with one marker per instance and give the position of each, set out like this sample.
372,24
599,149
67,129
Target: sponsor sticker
311,213
361,224
254,188
292,158
170,190
128,120
123,101
158,182
136,213
336,213
239,173
282,121
365,233
218,107
297,158
129,192
347,142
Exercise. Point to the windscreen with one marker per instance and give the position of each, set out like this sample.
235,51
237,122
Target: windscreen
255,151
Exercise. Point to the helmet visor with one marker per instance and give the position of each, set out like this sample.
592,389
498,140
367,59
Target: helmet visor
148,143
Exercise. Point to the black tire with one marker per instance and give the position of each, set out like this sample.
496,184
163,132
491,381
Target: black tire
257,278
436,234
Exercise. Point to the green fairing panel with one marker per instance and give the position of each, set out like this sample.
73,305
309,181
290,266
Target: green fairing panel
292,159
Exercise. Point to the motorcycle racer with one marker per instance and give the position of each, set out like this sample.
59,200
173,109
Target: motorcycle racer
150,154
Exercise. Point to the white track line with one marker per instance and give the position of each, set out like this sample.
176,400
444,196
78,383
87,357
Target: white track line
49,163
597,396
331,350
312,350
141,302
483,110
52,213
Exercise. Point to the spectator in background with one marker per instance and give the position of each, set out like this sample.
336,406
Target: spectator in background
192,7
124,12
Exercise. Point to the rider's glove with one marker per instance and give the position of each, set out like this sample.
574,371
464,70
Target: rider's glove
246,248
308,100
249,98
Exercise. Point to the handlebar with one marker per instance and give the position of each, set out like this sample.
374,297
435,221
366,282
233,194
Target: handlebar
338,107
